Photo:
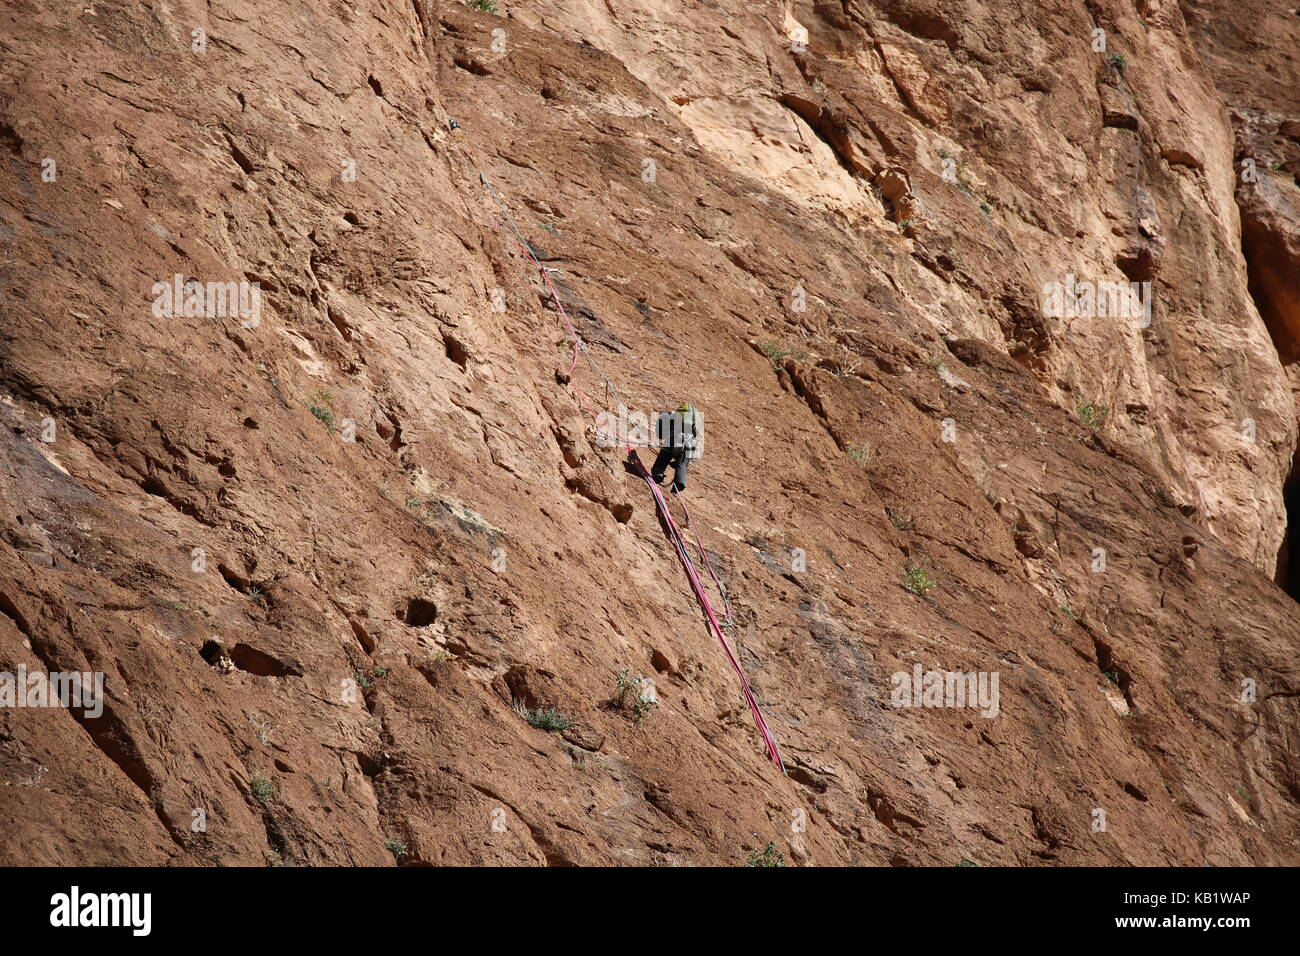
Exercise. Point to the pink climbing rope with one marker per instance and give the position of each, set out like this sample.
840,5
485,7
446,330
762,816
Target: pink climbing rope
704,556
555,297
635,461
702,596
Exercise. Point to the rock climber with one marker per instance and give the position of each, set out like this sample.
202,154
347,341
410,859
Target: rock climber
680,435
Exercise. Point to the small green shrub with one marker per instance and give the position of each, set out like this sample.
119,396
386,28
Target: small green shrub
768,856
1118,62
776,352
918,581
546,718
318,406
395,847
263,789
486,6
1094,416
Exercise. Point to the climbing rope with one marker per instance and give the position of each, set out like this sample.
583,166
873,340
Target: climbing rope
702,596
728,621
579,346
674,532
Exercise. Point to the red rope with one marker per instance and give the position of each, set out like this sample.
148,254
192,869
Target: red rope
704,556
702,596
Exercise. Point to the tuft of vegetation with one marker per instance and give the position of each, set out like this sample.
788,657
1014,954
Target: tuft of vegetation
961,176
1118,62
319,406
1244,793
899,520
1069,612
629,696
775,353
423,510
395,847
986,209
1094,416
263,789
918,581
486,6
185,606
846,364
367,679
904,225
545,718
859,454
768,856
255,594
1112,676
261,729
965,862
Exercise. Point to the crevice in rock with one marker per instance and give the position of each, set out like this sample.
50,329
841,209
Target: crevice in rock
261,664
111,734
1287,576
1271,249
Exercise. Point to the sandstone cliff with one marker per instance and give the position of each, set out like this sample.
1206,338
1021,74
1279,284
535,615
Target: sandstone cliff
830,226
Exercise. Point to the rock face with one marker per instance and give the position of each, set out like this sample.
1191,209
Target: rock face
342,554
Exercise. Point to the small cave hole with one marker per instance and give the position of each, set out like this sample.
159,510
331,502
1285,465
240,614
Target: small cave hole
420,613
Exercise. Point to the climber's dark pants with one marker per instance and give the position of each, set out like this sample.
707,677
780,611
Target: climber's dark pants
680,461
